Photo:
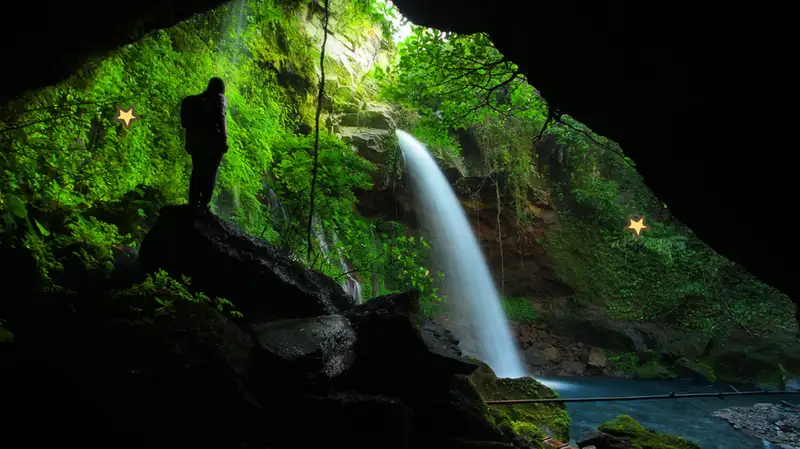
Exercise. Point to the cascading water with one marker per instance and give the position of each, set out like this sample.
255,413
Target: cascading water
350,284
468,283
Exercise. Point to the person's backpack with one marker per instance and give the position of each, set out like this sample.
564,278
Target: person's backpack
194,114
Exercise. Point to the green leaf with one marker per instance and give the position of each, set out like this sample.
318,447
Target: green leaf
5,335
44,231
16,206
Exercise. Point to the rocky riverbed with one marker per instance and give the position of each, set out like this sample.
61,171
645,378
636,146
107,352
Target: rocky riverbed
776,423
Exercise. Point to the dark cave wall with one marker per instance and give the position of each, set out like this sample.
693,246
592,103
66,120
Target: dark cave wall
680,86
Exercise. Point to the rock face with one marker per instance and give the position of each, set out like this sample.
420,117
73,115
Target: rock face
222,261
156,366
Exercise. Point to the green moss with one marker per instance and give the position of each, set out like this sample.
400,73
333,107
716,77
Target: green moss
623,361
654,370
519,309
639,437
699,368
529,421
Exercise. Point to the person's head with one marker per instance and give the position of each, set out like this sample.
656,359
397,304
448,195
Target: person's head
216,86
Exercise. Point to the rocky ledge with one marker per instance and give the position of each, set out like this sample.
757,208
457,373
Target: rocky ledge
291,363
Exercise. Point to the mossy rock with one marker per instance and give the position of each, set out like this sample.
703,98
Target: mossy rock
639,437
697,369
654,370
532,422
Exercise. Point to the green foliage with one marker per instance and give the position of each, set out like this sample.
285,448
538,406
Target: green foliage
626,362
164,290
519,309
63,149
6,336
668,275
639,437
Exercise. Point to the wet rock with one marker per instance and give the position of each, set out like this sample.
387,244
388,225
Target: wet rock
391,332
597,357
224,262
347,419
776,423
572,368
528,421
303,352
552,354
536,356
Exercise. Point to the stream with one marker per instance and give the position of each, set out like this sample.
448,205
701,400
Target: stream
688,418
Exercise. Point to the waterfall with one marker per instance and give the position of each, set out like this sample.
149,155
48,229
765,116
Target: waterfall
350,284
277,212
467,283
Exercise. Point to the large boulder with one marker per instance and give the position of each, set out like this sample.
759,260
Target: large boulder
100,376
301,353
222,261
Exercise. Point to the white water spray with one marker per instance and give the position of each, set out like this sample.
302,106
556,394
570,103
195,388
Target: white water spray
468,283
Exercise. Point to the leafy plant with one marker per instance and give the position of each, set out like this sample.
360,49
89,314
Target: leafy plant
519,309
165,291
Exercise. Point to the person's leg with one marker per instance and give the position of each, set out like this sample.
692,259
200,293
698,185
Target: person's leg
210,178
195,188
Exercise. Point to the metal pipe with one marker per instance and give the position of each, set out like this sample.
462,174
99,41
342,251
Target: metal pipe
639,398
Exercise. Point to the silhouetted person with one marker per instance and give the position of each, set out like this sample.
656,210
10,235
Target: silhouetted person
203,117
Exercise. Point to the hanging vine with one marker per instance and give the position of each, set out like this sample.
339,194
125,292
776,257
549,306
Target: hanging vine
315,169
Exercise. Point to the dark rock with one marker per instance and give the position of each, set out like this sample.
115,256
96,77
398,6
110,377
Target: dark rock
390,333
745,358
347,419
572,368
457,411
127,270
299,353
535,356
444,351
151,381
224,262
602,332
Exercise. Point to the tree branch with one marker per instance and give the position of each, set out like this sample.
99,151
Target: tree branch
601,145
